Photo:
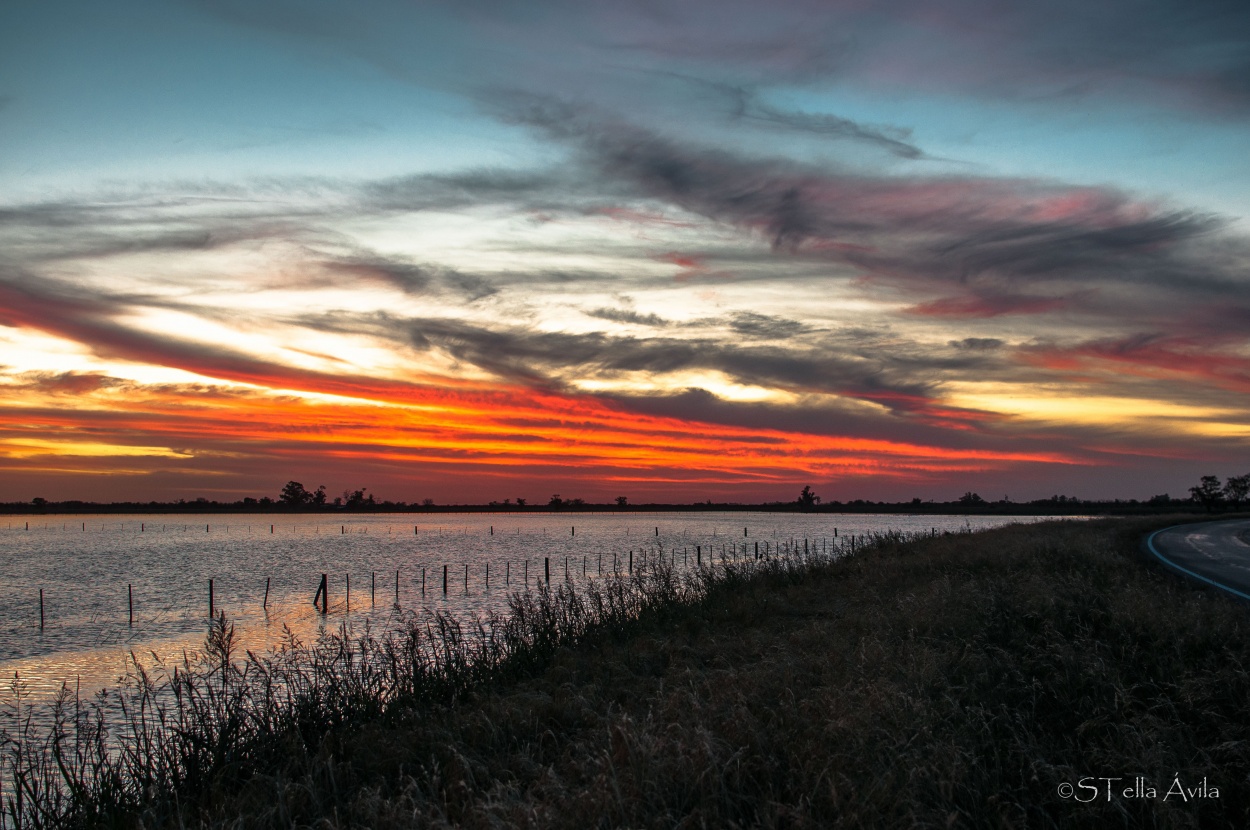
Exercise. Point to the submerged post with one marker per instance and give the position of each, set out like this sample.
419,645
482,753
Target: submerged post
547,569
41,609
323,594
466,579
349,593
444,580
130,596
373,588
210,599
265,603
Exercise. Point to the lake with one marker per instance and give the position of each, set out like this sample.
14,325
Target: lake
93,569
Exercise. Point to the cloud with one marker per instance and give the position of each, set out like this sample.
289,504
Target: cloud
766,326
989,305
625,315
747,106
988,239
977,343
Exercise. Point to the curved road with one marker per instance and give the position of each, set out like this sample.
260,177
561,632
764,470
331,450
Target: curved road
1217,553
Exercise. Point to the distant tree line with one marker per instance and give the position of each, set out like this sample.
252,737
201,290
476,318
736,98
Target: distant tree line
1209,495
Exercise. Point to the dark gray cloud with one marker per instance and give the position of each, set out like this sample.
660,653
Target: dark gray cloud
979,344
766,326
904,378
625,315
992,246
747,105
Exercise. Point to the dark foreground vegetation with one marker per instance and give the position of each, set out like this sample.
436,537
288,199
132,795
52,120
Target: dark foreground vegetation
961,680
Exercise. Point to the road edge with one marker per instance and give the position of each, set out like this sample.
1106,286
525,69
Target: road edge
1148,544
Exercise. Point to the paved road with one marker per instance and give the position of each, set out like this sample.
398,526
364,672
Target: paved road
1217,553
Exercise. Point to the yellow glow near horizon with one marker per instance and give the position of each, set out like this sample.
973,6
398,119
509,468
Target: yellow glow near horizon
1074,408
32,447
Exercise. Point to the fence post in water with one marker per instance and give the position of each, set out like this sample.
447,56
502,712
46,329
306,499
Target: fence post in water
507,573
547,569
322,594
265,603
130,597
373,588
757,550
526,575
210,600
444,580
744,533
574,529
466,580
631,560
698,553
488,576
41,609
657,531
349,593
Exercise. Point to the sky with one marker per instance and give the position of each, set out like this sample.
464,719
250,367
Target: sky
708,250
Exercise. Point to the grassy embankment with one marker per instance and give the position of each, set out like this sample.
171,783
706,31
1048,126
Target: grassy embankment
953,681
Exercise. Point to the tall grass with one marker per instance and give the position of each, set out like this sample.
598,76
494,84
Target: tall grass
173,739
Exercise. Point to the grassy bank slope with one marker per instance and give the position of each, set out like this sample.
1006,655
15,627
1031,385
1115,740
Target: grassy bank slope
955,681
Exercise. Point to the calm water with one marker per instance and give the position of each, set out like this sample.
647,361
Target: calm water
85,563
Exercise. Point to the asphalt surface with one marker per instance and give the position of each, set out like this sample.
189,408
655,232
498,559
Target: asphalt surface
1215,553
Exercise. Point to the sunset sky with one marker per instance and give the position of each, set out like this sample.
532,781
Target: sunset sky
471,251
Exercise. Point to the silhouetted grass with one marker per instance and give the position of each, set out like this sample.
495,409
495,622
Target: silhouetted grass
948,681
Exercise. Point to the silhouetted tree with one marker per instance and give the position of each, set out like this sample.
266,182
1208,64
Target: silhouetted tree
621,501
1237,488
294,495
1208,493
520,502
556,502
318,496
808,499
970,498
